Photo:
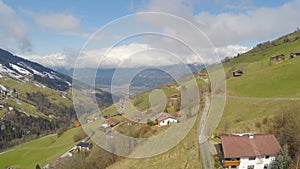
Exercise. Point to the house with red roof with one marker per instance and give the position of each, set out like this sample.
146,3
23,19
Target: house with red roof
249,151
164,119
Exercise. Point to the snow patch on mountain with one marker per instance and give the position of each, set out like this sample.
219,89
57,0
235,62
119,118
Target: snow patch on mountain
20,70
31,69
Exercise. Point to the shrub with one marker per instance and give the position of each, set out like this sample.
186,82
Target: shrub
258,124
265,120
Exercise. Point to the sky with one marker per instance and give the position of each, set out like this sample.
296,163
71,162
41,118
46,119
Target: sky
68,34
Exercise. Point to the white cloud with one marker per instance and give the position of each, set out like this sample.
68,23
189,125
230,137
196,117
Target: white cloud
231,50
125,56
225,30
182,8
65,59
58,22
51,60
12,29
252,25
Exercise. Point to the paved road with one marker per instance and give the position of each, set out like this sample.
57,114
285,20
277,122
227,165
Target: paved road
205,153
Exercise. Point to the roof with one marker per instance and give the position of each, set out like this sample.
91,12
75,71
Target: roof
112,121
244,146
83,144
239,70
175,95
163,116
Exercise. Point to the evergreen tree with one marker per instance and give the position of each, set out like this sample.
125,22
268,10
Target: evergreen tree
38,167
283,159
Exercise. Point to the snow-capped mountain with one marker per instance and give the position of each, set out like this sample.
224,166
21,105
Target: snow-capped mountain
25,71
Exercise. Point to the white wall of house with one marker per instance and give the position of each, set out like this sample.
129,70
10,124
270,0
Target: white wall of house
168,121
258,163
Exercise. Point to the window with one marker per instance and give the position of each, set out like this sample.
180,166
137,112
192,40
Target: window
252,158
266,166
250,167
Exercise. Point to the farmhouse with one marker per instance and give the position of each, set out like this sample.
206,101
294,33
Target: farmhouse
174,96
280,57
112,122
84,146
164,119
249,151
128,121
237,73
294,54
202,75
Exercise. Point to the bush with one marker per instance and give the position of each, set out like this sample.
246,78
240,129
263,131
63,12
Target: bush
265,121
151,123
257,124
217,162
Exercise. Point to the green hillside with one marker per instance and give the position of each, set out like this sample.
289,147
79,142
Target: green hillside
264,88
262,78
40,151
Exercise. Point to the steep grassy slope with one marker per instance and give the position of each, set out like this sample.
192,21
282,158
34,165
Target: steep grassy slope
262,78
265,87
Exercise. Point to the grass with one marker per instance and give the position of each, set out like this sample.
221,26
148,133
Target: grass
262,80
23,88
40,151
282,80
240,115
23,107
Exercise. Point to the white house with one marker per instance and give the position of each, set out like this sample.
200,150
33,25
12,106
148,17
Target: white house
164,119
249,151
84,146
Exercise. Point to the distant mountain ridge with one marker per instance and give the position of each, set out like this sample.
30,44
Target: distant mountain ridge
149,77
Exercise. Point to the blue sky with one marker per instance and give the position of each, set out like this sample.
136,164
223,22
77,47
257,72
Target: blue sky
46,30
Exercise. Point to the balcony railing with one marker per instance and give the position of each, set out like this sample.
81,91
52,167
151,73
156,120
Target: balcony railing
232,163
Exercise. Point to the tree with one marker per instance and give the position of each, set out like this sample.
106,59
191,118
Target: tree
38,167
166,110
283,159
286,129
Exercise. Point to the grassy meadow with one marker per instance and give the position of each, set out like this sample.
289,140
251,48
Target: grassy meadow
40,151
